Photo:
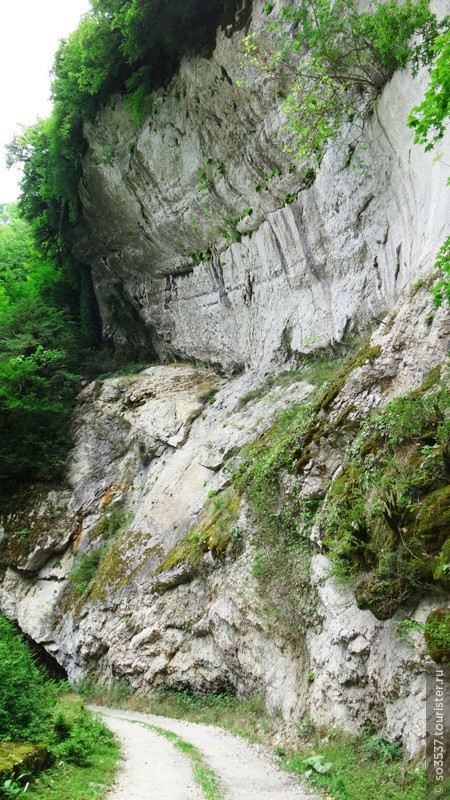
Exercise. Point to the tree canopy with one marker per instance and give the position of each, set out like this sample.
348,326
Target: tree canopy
124,46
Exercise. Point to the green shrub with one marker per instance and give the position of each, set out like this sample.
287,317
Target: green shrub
337,60
85,570
76,738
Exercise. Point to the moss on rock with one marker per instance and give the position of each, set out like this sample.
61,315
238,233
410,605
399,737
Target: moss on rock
213,533
381,596
387,516
17,758
437,635
434,518
441,565
29,520
126,555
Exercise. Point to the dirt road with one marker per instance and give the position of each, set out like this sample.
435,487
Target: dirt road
155,770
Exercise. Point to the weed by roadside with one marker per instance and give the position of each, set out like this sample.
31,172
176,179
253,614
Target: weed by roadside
245,717
66,781
356,768
83,754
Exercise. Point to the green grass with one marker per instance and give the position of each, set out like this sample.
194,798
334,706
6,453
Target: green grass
126,369
313,369
83,754
70,782
362,768
204,776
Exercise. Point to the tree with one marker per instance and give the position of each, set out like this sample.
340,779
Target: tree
38,356
429,119
337,60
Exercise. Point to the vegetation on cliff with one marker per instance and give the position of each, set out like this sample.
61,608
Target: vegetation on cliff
386,518
337,59
383,520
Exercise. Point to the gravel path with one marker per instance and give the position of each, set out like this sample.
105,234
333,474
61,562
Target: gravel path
153,768
245,771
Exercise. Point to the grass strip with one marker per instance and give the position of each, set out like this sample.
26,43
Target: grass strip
204,776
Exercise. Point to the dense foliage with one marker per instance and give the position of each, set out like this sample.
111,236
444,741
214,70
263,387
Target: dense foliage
33,708
429,119
26,694
39,349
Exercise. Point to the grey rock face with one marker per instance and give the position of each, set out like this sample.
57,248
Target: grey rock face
155,614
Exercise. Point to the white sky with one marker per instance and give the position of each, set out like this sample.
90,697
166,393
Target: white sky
30,31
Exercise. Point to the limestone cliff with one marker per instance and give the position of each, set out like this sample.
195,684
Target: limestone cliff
143,566
207,167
